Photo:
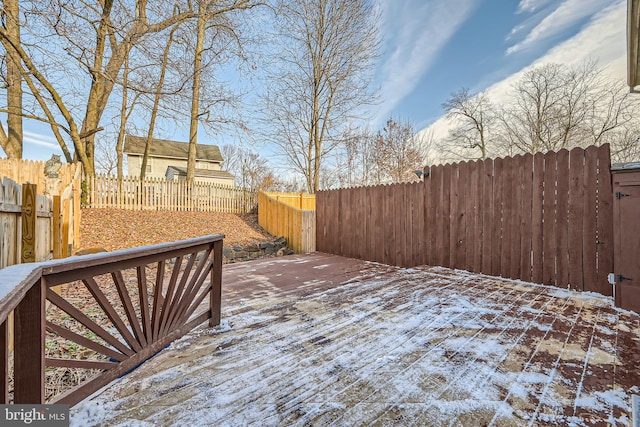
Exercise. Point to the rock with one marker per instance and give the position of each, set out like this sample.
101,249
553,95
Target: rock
238,248
280,252
227,253
252,248
241,254
280,241
270,251
266,245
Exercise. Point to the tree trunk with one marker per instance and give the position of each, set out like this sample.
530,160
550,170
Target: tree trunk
12,145
195,90
156,105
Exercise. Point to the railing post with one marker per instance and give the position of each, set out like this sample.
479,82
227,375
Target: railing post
29,332
4,362
215,295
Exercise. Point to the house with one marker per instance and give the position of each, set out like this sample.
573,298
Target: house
168,159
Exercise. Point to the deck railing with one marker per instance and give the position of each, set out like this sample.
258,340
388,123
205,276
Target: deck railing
114,311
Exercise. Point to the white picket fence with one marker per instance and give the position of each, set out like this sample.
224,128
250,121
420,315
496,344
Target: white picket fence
161,194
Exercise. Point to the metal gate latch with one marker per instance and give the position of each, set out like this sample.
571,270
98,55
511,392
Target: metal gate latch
616,278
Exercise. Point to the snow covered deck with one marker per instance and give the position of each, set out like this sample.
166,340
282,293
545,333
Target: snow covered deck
323,340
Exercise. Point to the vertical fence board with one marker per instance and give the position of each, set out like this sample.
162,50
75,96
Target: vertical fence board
389,228
526,225
476,239
345,222
453,214
589,223
436,256
508,213
378,226
496,226
466,205
575,217
398,221
487,215
537,230
549,226
360,223
408,226
421,240
320,219
446,219
516,222
562,225
428,215
368,249
605,221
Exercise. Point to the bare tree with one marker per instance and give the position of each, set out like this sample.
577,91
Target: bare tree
355,160
251,170
470,115
11,140
97,37
156,104
556,107
325,59
223,29
397,155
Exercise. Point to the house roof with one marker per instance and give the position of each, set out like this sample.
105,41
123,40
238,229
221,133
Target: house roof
633,43
171,149
200,173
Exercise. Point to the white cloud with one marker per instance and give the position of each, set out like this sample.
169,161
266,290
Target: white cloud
603,39
565,15
529,6
40,140
416,43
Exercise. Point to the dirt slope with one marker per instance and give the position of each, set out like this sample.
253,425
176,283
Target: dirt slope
118,229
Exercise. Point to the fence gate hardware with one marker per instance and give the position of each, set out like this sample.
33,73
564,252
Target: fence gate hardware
620,195
617,278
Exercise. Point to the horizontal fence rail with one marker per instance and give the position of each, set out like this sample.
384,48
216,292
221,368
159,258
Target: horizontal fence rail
280,215
161,194
113,312
545,218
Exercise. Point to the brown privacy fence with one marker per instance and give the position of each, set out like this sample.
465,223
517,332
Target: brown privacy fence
162,194
545,218
290,215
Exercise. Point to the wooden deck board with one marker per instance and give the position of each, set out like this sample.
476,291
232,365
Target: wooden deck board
324,340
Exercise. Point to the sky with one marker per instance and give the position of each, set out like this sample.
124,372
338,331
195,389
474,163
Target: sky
432,48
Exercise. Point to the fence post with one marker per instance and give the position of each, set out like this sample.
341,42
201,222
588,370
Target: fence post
29,346
57,238
29,216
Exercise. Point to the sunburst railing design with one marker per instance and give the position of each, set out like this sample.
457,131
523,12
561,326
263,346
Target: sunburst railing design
114,311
